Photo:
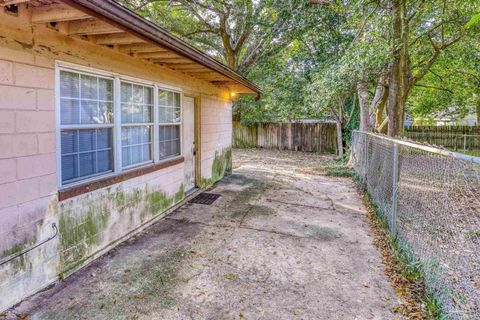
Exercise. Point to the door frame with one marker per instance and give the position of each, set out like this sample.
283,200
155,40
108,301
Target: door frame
197,102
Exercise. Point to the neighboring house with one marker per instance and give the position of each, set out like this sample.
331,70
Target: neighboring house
449,118
106,122
314,120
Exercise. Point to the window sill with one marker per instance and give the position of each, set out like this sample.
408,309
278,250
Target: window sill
77,190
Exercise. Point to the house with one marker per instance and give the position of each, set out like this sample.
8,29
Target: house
451,117
107,122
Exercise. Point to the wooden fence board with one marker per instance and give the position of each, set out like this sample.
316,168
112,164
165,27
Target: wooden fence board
446,136
313,137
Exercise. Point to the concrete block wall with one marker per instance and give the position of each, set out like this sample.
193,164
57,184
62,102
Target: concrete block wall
216,132
90,223
27,144
27,172
87,224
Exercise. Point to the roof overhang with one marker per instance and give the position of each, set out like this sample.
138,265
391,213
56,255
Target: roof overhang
107,23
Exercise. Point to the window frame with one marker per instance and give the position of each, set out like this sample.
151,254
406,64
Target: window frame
116,125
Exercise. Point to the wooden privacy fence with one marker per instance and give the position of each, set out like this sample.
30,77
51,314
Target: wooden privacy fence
446,136
313,137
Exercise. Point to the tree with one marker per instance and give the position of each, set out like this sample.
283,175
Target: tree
239,33
416,34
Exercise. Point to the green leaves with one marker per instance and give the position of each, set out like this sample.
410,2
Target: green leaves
474,22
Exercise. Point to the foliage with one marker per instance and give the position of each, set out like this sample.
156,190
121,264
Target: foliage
284,81
306,57
452,86
239,33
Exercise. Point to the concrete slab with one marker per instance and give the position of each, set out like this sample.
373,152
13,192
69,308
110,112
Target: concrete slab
282,242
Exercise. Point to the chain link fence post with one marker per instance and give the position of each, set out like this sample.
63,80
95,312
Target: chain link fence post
365,136
393,210
434,214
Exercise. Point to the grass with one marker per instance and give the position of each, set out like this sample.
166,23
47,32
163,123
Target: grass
473,153
340,171
339,168
403,269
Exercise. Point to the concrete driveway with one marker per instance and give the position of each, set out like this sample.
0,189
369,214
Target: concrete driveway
283,241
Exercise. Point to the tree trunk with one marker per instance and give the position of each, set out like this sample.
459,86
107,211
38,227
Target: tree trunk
339,139
362,92
379,102
338,122
398,80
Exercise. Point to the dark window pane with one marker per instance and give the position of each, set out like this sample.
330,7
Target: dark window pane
87,164
104,138
86,140
146,152
86,160
176,146
104,159
69,141
69,167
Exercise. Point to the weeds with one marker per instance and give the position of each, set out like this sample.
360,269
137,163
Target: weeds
340,171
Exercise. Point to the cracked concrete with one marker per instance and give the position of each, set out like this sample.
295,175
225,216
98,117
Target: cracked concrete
282,242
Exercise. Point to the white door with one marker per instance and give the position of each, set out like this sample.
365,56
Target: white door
189,142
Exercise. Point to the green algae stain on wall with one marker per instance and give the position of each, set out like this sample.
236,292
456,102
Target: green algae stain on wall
159,201
86,224
81,231
222,163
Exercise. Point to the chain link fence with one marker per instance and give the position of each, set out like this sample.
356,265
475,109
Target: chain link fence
430,199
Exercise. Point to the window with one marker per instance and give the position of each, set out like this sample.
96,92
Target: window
170,121
137,124
108,124
86,120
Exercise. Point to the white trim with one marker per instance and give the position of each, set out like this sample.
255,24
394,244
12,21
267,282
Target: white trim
58,136
78,68
117,125
156,131
137,165
86,126
117,130
67,66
